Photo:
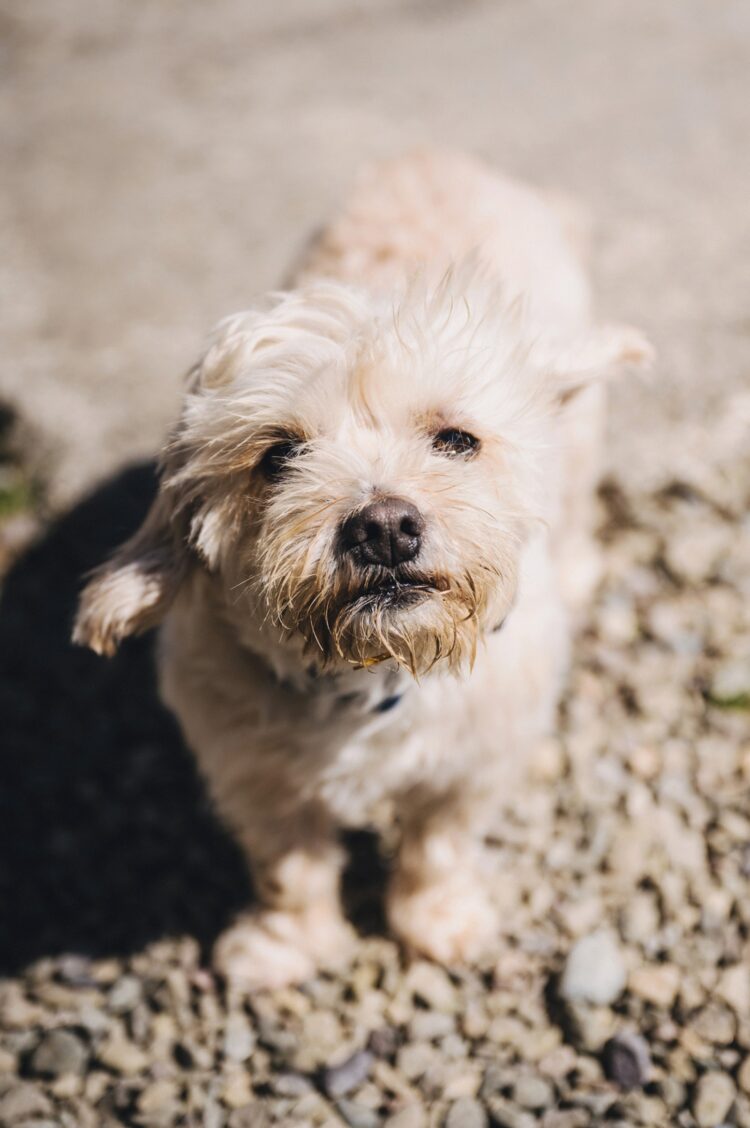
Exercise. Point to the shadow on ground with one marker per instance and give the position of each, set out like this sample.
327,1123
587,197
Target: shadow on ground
107,840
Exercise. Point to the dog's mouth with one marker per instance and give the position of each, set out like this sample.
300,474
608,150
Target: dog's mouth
395,593
414,618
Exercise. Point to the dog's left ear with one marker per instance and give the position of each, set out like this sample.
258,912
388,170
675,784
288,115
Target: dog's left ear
573,363
133,590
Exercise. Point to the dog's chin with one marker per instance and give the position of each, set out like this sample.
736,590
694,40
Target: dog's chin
413,622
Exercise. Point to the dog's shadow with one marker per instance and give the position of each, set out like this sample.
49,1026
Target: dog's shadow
107,840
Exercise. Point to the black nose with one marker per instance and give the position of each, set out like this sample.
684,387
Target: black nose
386,532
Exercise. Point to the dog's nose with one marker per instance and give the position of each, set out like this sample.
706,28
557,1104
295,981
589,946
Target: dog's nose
386,532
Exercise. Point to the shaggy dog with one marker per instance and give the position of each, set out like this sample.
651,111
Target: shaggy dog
373,524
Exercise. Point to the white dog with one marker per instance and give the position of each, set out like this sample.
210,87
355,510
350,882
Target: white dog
374,518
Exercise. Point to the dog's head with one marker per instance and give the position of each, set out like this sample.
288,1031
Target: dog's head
359,478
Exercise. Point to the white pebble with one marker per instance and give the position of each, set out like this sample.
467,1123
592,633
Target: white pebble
594,970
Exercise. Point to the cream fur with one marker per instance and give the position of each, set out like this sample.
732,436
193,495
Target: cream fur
443,296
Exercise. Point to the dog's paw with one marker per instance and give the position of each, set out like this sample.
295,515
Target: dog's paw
450,922
268,949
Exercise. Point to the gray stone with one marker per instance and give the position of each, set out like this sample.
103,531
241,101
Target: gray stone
384,1042
75,970
60,1051
627,1060
338,1080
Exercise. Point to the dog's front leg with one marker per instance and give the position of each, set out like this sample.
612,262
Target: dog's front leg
437,902
298,926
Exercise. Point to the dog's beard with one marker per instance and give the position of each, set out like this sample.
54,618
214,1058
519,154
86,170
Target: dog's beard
414,618
405,617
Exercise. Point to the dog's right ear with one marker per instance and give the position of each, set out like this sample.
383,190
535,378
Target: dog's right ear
571,364
133,590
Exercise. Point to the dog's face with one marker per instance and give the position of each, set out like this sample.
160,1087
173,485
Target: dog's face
360,479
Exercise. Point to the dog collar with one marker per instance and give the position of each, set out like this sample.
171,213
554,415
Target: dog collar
387,703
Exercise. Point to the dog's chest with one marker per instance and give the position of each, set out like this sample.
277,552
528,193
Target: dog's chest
385,735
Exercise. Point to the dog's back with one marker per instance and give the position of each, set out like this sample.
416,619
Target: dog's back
433,207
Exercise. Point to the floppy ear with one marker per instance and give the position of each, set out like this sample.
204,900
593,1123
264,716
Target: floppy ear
133,590
573,363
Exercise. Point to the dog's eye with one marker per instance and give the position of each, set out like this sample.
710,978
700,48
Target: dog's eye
276,459
456,443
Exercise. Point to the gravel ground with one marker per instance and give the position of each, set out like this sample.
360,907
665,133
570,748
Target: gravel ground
162,162
620,992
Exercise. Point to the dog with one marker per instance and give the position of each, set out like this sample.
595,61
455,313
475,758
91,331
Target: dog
373,532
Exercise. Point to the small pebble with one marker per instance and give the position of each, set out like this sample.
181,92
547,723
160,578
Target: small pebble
533,1092
384,1042
76,971
428,1026
236,1092
716,1024
125,994
357,1115
122,1056
594,971
734,988
432,986
713,1098
627,1060
59,1052
730,684
657,984
414,1059
157,1096
466,1113
338,1080
239,1038
291,1084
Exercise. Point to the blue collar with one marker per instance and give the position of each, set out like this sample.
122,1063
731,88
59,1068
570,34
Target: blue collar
387,703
